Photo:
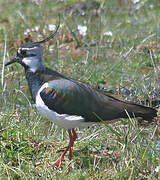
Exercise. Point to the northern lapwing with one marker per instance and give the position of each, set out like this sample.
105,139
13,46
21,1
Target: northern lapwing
69,103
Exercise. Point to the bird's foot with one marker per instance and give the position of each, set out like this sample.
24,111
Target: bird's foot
73,137
55,163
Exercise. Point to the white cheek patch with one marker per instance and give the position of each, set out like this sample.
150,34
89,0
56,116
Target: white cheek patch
32,63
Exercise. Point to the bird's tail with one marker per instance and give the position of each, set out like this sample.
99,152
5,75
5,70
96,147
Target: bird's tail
136,110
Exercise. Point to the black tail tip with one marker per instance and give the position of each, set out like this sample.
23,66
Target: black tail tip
151,116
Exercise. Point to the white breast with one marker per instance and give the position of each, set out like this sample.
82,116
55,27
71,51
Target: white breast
62,120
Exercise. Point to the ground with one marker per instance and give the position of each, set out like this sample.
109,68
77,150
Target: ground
113,45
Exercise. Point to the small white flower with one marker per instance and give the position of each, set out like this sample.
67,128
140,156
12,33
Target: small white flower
51,27
151,6
36,28
157,169
27,31
51,48
40,36
135,1
37,2
82,30
108,33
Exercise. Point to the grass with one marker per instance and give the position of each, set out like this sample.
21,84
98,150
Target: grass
130,58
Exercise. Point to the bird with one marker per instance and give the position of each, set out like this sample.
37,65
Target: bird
70,103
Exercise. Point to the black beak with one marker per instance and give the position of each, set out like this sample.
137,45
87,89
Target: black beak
12,61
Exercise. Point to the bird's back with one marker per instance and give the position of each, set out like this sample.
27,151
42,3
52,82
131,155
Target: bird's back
68,96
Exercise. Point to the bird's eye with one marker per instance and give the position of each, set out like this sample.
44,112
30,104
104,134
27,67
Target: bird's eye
23,52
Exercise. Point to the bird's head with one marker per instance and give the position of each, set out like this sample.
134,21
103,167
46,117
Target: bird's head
30,55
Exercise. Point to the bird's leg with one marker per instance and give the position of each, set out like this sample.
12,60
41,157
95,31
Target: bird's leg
71,142
74,135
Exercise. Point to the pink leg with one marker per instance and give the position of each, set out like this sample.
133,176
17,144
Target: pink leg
72,138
